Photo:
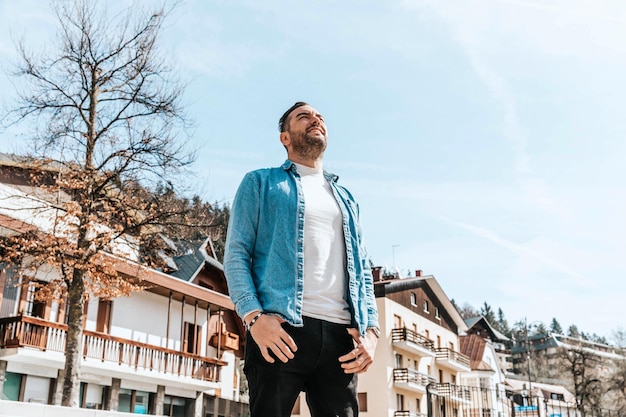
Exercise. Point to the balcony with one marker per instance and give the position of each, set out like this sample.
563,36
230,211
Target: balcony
412,342
405,413
452,360
411,380
456,392
31,332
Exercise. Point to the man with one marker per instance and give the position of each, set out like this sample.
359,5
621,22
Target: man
299,278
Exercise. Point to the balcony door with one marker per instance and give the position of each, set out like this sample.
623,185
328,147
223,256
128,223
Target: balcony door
32,306
192,337
103,320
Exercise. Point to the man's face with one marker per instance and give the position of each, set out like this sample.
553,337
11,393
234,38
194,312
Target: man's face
307,135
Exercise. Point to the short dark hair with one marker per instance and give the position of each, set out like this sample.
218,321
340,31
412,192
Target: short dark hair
283,122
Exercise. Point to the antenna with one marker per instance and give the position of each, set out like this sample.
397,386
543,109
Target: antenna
393,251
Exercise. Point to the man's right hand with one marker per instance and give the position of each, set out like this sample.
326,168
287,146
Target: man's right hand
270,336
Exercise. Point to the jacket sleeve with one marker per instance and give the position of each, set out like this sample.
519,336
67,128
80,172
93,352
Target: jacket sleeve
240,243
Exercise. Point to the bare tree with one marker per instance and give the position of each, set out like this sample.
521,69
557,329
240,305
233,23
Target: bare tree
466,310
617,379
583,367
109,127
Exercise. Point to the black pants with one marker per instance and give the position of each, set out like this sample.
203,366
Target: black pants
315,369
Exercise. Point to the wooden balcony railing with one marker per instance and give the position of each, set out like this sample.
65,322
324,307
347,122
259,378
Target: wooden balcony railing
24,331
452,355
411,376
404,334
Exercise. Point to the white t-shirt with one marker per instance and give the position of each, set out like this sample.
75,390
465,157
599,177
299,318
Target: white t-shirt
324,250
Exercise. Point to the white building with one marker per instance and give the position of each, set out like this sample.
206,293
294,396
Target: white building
172,349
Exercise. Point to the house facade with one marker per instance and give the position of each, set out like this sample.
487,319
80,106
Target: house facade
159,351
480,326
486,380
172,349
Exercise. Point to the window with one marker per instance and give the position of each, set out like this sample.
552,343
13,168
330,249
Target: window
426,307
484,383
12,386
397,322
399,402
414,328
9,304
438,341
440,376
398,359
91,396
437,316
362,401
451,346
413,299
174,406
558,397
132,401
427,333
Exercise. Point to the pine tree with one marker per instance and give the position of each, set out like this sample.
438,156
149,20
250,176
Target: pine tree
555,327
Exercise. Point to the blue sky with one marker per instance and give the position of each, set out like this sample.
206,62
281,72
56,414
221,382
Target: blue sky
484,139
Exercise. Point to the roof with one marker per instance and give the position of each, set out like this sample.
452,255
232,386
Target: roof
193,257
390,286
540,388
495,334
27,162
190,262
473,346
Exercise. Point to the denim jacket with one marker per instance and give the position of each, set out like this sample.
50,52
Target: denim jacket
264,259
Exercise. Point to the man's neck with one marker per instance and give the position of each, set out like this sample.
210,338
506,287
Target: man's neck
308,162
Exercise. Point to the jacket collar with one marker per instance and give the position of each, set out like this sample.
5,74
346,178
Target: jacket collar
289,165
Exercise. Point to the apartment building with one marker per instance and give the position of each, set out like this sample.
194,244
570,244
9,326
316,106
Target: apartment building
545,352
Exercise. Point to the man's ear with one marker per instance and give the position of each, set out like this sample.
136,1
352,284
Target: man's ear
285,139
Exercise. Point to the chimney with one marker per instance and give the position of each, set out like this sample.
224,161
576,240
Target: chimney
376,275
418,272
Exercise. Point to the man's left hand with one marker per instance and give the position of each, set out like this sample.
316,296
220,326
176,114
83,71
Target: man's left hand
359,359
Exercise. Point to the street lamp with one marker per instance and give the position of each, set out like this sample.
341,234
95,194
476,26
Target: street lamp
530,380
527,341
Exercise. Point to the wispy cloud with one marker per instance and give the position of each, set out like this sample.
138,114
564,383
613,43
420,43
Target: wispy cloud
523,250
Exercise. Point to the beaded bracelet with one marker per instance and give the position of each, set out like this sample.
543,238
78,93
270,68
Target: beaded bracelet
254,319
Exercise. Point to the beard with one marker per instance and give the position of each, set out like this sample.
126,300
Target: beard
307,145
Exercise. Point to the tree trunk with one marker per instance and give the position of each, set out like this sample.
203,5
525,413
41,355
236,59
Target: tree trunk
76,303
